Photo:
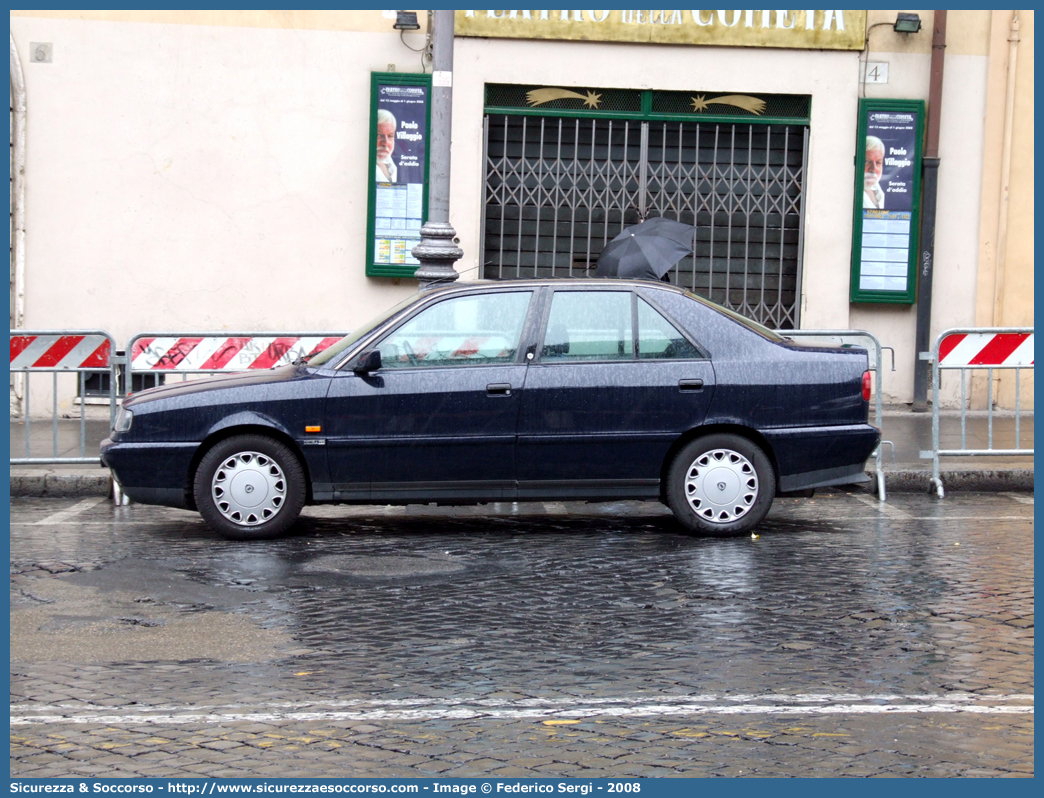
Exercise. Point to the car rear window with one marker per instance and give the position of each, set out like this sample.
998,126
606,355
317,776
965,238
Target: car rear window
589,325
750,324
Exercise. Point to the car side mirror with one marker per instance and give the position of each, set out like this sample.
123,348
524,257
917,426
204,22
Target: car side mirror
368,361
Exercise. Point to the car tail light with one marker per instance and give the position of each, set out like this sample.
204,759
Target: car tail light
866,386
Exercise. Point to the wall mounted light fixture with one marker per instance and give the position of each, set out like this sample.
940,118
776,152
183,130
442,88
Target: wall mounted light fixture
406,20
904,23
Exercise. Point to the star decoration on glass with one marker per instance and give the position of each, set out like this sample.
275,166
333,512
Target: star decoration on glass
546,95
699,103
752,105
592,99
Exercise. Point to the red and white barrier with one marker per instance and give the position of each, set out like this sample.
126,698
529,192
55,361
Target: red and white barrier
52,352
964,350
457,347
986,349
221,353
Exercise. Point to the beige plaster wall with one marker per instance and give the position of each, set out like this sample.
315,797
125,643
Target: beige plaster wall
962,131
346,20
199,177
957,212
207,170
1006,298
1017,288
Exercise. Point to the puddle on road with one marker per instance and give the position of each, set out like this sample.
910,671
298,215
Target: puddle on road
384,566
70,621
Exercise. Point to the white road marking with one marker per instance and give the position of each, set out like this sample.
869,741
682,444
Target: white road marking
884,507
786,698
1020,498
63,516
958,518
423,709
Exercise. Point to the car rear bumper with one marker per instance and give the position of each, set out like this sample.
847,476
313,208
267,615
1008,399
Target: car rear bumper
817,457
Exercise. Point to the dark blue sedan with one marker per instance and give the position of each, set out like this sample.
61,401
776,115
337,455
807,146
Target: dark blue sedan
527,390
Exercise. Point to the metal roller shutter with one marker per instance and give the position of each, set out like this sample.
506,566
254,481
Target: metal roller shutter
557,189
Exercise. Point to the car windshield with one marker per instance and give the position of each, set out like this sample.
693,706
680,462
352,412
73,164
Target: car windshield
750,324
334,351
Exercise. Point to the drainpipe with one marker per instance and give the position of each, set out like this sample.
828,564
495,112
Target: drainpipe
929,195
18,198
1002,216
17,211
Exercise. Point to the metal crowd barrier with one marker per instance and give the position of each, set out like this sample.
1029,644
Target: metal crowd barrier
85,352
203,353
966,349
876,366
167,353
80,352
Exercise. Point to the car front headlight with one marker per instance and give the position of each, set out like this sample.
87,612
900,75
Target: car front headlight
123,420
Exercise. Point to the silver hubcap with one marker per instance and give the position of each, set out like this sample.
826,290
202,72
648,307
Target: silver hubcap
721,486
249,488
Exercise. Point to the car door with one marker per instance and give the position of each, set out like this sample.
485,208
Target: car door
352,404
447,403
613,385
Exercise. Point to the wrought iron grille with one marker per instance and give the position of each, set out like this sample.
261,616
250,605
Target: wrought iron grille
558,189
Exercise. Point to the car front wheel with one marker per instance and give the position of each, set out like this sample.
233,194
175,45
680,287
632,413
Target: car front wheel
249,487
720,485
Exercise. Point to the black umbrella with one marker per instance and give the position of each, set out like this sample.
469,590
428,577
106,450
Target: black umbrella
647,250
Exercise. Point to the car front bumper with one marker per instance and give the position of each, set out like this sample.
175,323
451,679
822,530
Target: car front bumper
152,473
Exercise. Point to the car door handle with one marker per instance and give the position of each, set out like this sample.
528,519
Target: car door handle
690,385
499,389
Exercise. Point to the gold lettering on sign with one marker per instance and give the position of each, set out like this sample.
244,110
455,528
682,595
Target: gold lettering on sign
724,21
541,96
802,29
834,18
750,104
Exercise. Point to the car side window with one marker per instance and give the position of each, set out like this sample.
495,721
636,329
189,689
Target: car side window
589,325
658,338
468,330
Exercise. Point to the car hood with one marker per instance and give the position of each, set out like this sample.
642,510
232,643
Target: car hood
222,382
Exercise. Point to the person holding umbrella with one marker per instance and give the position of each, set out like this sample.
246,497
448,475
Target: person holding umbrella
646,251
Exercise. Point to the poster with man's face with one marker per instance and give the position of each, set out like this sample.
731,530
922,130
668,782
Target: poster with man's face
402,113
888,169
887,202
399,141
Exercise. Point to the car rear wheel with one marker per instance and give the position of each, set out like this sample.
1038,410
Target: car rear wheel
249,487
720,485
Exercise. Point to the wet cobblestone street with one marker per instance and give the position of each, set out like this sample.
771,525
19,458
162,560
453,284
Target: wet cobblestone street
850,637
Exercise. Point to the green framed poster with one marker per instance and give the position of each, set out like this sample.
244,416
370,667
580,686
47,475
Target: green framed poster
397,198
889,147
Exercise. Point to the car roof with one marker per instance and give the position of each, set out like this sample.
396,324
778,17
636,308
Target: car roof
557,282
604,283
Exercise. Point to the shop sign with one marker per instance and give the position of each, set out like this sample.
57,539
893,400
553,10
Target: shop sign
400,118
887,201
811,30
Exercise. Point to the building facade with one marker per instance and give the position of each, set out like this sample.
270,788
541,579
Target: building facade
212,170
